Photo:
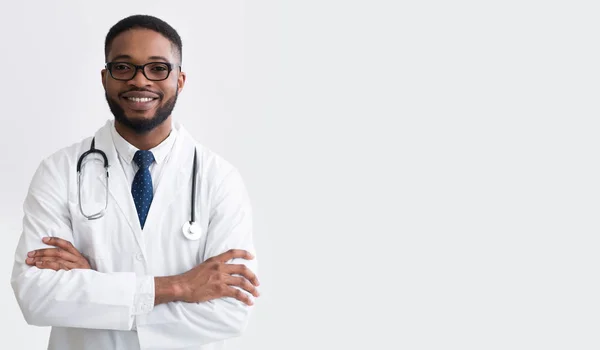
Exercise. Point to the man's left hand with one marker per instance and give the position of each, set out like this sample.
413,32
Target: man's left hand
64,257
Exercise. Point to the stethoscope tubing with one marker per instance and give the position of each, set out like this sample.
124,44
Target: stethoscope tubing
191,229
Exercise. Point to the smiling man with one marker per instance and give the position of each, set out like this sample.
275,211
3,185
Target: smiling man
167,261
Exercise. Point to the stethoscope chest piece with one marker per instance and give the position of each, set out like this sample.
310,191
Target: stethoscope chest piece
192,231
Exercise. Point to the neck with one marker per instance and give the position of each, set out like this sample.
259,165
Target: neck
148,140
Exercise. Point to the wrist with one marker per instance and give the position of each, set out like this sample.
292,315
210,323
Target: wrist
167,289
177,288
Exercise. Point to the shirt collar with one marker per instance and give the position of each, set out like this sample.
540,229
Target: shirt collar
126,150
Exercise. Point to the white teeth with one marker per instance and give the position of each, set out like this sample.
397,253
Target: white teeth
140,99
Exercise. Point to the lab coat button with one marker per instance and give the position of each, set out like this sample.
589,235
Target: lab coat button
139,256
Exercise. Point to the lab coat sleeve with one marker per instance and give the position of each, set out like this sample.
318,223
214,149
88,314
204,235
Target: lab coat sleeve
187,325
76,298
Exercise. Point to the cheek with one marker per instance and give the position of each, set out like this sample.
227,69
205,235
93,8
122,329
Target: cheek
168,89
113,88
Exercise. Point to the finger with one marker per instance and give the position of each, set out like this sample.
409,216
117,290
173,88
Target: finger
239,295
53,252
242,283
61,243
55,262
51,265
64,264
233,254
243,270
47,259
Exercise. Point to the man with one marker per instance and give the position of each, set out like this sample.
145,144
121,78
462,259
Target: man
129,279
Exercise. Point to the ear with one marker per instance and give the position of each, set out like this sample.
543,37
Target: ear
180,82
103,73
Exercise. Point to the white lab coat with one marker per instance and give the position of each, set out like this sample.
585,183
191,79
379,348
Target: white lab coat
111,306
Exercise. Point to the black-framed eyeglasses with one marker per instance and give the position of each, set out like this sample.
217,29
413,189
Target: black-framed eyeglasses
154,71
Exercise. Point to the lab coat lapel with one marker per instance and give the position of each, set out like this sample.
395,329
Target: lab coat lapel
117,182
176,173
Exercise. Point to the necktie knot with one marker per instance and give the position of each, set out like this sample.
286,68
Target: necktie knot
143,159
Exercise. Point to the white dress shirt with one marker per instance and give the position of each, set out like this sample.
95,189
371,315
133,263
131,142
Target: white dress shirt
126,151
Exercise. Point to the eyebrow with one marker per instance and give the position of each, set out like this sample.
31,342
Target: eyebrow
120,57
158,58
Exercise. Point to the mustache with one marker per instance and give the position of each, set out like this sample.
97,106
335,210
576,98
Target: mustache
160,94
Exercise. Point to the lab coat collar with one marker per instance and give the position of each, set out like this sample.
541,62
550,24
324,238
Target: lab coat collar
177,172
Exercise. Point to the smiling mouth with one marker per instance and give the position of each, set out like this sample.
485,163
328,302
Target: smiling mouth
141,99
140,103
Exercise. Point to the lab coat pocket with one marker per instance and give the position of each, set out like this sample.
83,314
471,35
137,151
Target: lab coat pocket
93,241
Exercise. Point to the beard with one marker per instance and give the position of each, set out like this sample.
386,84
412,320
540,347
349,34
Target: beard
142,125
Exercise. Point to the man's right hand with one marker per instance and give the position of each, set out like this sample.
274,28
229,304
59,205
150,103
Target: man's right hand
213,279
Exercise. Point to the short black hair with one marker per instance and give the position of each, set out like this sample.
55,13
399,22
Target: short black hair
146,22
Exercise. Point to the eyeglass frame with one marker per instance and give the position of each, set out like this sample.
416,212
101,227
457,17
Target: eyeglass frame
142,67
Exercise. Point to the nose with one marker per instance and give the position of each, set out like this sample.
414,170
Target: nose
139,79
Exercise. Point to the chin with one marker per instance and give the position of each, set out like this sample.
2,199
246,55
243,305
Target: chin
140,115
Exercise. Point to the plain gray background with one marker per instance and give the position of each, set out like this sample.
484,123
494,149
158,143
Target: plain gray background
424,174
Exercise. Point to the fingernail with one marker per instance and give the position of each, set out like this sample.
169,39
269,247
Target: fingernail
29,260
45,239
31,254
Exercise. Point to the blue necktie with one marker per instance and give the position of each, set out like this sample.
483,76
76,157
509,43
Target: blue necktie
141,189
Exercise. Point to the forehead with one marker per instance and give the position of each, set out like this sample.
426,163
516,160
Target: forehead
140,44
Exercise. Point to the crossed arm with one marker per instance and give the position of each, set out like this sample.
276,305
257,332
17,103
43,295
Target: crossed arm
213,279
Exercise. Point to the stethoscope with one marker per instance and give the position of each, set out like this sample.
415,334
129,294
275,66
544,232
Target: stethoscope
191,229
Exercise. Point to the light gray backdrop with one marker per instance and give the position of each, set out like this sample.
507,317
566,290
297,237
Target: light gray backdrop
424,174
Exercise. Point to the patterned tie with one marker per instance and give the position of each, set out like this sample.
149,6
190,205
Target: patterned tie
141,189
